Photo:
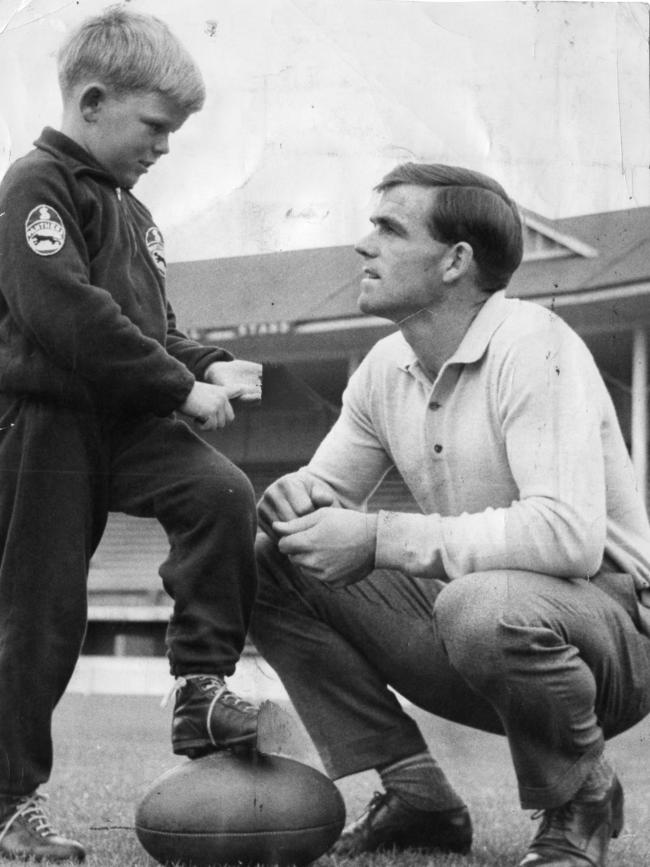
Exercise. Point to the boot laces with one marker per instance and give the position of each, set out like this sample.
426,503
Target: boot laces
225,696
376,801
30,808
216,687
357,829
180,682
554,821
373,805
209,683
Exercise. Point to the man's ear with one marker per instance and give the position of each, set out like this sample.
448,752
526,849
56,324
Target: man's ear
91,101
460,259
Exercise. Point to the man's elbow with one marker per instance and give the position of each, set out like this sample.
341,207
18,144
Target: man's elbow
579,554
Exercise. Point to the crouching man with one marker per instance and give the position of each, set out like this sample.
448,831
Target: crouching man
512,603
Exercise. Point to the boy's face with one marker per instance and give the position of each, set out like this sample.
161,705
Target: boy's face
128,133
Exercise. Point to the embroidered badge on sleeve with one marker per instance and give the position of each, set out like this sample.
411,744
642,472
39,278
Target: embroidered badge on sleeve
44,230
156,247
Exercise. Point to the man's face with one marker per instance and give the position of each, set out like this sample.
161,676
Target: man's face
130,133
403,264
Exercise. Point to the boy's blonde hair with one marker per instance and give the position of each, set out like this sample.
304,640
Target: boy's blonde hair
129,52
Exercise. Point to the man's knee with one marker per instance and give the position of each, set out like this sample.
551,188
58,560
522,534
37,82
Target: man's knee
468,613
270,593
266,550
283,592
475,597
277,578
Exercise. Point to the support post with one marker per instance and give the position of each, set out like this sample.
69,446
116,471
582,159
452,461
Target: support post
640,409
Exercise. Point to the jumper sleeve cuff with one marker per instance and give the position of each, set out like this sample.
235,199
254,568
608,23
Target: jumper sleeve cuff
201,366
410,543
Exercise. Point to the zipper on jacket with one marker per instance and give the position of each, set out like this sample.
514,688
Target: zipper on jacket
126,213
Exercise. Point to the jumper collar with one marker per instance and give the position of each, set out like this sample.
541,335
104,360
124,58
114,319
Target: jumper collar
476,339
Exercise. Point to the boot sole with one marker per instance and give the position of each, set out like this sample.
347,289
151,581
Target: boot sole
196,749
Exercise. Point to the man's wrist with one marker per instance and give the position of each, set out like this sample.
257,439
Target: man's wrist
372,522
411,543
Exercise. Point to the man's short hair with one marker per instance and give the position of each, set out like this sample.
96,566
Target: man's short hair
470,207
131,53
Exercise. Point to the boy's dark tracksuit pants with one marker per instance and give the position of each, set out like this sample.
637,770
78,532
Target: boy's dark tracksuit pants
61,472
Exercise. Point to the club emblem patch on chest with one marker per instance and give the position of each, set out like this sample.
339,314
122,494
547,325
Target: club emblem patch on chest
156,247
44,230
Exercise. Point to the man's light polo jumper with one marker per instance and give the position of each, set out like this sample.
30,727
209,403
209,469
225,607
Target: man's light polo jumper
514,453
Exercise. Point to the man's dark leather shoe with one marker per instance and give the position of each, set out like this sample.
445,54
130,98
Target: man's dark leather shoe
209,717
389,823
578,833
25,833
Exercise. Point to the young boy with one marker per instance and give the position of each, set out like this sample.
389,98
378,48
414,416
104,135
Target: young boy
92,370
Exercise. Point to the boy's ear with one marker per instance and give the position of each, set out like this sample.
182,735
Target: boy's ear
91,101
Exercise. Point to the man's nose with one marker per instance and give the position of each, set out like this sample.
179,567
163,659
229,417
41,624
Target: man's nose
365,247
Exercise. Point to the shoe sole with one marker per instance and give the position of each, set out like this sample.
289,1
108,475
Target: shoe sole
617,817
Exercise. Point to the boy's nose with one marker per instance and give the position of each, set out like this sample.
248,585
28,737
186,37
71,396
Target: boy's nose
161,145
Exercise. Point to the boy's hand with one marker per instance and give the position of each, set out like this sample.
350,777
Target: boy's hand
209,405
242,378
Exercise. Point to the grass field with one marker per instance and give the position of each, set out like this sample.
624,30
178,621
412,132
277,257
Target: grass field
109,748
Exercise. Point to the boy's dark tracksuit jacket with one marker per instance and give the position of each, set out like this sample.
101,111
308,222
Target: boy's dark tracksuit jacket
84,319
